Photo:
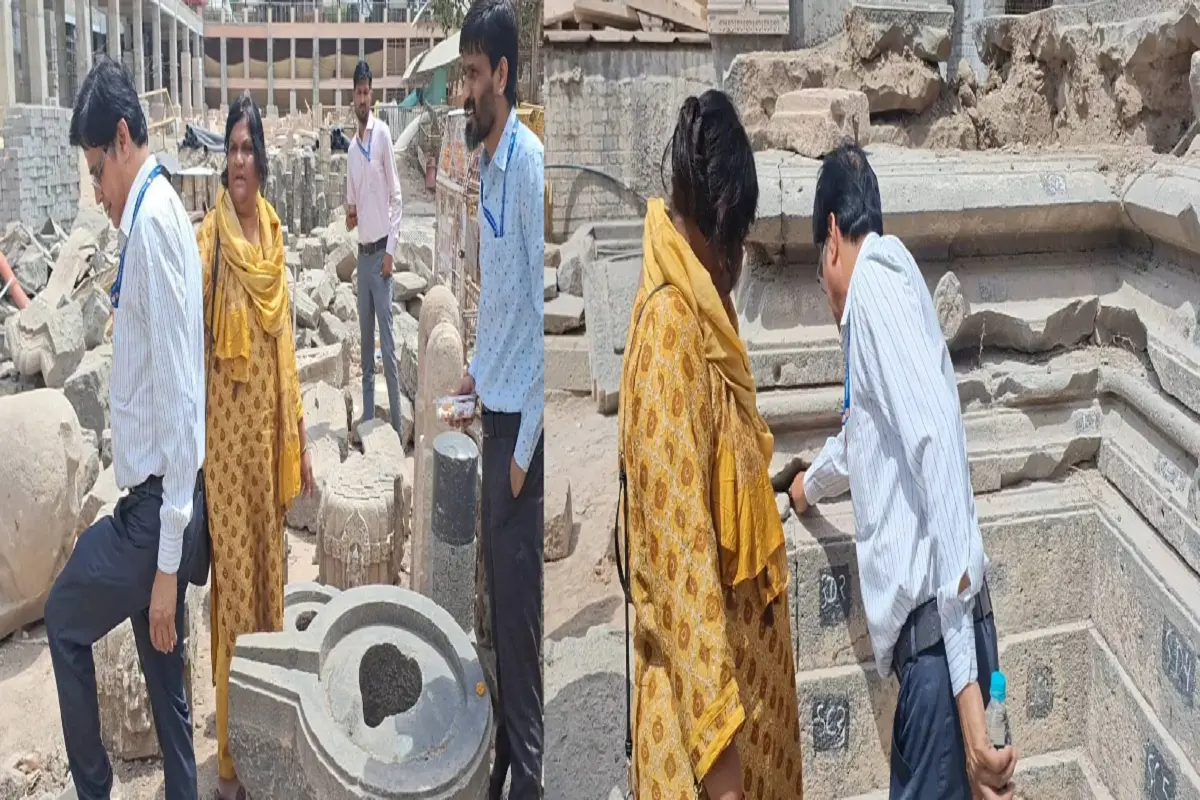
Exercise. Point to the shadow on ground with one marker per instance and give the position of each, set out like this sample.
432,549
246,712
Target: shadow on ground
597,613
585,738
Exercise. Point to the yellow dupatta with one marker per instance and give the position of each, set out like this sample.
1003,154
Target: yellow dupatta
259,270
746,518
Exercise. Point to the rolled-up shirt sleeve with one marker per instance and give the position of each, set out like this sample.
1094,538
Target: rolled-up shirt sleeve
829,475
677,590
173,382
905,362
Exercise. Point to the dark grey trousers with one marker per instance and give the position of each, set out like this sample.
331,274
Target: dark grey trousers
928,758
107,580
375,306
513,547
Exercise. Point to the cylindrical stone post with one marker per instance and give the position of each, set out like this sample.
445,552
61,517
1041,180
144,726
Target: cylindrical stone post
453,522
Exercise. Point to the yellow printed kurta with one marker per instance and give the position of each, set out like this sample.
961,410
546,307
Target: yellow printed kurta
246,517
711,667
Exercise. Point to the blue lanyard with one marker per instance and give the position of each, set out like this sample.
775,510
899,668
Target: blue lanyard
498,231
846,397
366,151
114,294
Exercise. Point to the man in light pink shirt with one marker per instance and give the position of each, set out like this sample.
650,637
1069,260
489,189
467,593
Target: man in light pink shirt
373,206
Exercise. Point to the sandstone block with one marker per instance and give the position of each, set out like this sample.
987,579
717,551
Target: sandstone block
43,480
126,719
97,311
407,285
574,254
812,122
342,261
87,389
312,253
549,283
329,363
406,332
876,29
563,314
46,340
332,329
1194,82
560,520
304,513
345,304
951,305
308,315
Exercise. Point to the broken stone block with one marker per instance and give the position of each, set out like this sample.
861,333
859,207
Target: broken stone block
47,472
380,440
45,340
406,332
106,448
326,416
379,674
1194,82
553,256
329,363
312,254
126,719
32,270
413,257
896,83
324,290
307,313
951,305
549,283
811,122
304,512
564,314
332,329
407,285
345,304
577,251
873,30
97,310
560,520
342,261
87,389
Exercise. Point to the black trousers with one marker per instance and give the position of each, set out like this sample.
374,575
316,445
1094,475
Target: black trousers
513,547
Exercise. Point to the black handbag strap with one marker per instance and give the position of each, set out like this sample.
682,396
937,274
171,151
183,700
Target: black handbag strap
622,553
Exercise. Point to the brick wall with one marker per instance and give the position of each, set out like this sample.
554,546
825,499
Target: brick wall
39,170
613,107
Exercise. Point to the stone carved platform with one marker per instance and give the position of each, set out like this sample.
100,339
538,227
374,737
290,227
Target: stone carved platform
373,692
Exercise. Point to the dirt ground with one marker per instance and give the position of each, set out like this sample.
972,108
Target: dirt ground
29,705
582,590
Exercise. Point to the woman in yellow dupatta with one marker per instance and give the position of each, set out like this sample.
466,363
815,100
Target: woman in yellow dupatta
257,455
715,712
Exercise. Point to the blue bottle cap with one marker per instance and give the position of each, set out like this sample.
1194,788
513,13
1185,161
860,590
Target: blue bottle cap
999,689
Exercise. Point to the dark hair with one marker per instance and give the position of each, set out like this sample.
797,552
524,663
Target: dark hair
848,189
244,108
490,27
362,72
106,97
714,182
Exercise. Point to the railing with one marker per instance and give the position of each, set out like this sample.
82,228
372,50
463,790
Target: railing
260,13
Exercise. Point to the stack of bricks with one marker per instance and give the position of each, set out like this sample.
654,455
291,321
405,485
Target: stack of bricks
39,170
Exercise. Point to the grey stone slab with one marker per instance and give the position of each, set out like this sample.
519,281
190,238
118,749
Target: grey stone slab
380,695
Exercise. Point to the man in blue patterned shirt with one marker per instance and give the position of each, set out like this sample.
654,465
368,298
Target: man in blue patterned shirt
507,373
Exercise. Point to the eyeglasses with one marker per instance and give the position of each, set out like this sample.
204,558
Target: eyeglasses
97,172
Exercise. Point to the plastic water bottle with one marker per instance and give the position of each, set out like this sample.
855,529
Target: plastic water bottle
997,716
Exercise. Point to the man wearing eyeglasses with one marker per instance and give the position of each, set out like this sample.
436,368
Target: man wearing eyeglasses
507,374
902,454
136,564
373,206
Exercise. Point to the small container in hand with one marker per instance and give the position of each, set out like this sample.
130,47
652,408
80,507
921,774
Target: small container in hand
997,715
455,408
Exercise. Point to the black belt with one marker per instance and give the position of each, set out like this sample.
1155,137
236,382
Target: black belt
923,628
500,424
371,248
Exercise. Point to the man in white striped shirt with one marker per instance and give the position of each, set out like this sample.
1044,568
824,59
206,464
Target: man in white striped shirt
902,455
136,564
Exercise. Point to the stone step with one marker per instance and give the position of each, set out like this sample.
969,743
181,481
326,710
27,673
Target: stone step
846,713
1060,775
1033,535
